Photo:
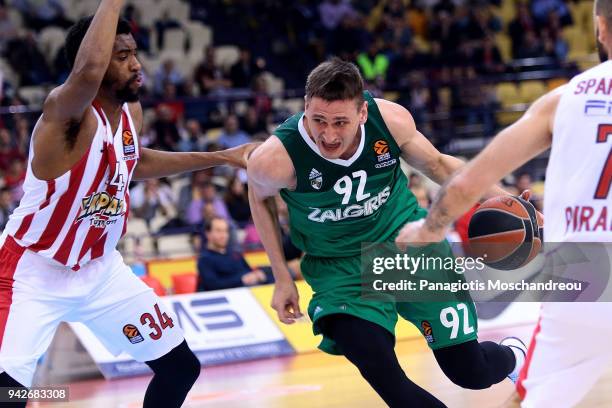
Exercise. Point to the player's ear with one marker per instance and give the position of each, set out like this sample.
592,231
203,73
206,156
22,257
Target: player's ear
363,113
601,29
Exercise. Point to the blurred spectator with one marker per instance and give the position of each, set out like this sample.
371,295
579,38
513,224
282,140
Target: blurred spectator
332,12
61,69
163,24
39,14
408,61
531,47
232,135
8,29
487,58
141,34
245,69
22,134
209,76
151,197
349,38
167,72
237,200
522,24
262,101
252,123
8,151
26,59
542,8
374,63
204,194
192,137
186,193
14,178
7,205
165,129
220,268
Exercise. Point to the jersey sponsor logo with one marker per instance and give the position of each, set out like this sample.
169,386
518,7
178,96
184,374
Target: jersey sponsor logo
381,148
133,335
129,147
316,179
102,208
587,219
368,207
428,331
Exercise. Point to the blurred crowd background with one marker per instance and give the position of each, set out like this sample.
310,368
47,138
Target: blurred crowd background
219,73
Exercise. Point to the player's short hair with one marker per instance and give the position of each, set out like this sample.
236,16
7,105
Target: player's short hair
603,8
335,80
209,223
77,32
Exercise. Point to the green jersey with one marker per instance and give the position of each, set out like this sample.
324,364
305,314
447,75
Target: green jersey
338,204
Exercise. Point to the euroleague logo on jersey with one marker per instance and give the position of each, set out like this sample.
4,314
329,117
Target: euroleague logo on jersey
129,147
101,207
381,148
132,333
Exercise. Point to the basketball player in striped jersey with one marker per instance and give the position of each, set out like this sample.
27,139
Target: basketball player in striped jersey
58,260
570,348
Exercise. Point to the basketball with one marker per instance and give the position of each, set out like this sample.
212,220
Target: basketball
506,232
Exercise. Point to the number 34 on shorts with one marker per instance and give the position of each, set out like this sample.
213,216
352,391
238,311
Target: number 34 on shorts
442,324
156,323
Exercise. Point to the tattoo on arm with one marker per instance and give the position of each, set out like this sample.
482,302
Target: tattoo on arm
438,218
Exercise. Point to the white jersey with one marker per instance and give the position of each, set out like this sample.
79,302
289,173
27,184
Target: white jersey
577,192
82,214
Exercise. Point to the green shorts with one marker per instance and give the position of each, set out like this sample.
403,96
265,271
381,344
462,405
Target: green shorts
337,288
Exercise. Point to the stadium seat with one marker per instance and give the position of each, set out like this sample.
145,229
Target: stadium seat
575,38
556,82
529,91
33,94
227,55
154,284
184,283
504,44
174,39
51,39
200,36
507,94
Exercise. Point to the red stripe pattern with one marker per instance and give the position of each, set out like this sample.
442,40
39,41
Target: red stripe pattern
10,254
91,211
520,387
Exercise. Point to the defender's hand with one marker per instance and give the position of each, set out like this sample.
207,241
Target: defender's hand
239,155
415,234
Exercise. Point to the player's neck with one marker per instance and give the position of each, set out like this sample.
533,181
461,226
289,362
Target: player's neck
111,107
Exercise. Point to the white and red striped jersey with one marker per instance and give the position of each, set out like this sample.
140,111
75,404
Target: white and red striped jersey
82,214
577,192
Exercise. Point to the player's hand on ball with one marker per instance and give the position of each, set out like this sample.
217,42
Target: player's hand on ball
285,301
415,234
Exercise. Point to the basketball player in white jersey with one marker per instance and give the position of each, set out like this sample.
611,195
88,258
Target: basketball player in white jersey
570,346
58,260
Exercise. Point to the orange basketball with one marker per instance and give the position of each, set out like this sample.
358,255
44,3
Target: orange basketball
506,232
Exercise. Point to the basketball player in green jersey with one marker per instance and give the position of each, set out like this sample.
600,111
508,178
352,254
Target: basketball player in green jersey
337,167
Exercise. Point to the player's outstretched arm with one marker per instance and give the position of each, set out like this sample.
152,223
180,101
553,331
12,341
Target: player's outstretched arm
269,170
68,102
157,163
417,150
511,148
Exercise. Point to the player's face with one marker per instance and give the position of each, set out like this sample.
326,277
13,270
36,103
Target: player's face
334,126
218,236
124,77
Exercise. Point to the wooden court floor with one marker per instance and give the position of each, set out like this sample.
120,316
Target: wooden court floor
311,381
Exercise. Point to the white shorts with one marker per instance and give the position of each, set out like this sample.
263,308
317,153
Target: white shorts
36,294
569,351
